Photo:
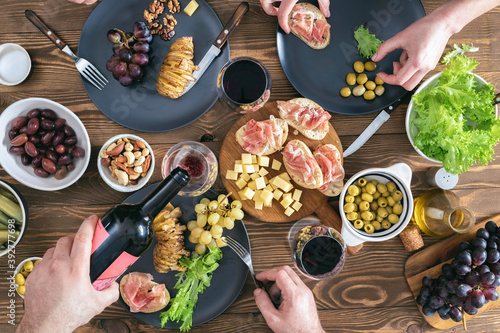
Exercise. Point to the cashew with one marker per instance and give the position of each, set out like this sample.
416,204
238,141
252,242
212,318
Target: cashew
134,177
137,154
130,157
103,154
122,177
139,169
129,147
140,161
145,152
119,141
126,140
111,146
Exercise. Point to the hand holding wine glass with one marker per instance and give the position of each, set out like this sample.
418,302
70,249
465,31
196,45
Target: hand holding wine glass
297,312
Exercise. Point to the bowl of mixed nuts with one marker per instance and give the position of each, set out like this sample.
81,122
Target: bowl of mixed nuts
126,162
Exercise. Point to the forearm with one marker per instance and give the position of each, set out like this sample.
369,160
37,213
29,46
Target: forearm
456,14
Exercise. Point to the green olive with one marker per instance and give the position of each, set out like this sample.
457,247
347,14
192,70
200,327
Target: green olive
37,262
359,67
393,218
370,66
363,189
24,273
21,290
382,202
390,201
358,224
376,225
386,194
362,182
370,188
397,208
349,207
367,215
379,90
378,81
379,218
345,92
382,212
28,266
367,197
362,78
376,195
353,190
397,195
359,90
349,198
352,216
389,209
369,95
20,280
350,79
374,182
369,229
386,224
381,188
357,200
374,206
391,187
370,85
364,206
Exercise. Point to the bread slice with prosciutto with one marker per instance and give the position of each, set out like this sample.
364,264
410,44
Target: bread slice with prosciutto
306,116
309,24
263,137
301,165
142,294
329,160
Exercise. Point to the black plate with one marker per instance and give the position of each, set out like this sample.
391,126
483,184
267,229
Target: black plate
227,280
139,106
320,74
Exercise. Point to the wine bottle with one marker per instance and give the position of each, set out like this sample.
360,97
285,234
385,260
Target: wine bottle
126,231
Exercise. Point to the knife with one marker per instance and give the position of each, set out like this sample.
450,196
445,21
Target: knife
219,42
375,125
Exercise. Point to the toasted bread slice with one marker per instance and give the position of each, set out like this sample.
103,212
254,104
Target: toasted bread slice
158,308
297,177
334,177
317,15
313,134
267,148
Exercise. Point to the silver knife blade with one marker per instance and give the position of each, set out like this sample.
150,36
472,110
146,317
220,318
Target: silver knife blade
202,67
367,133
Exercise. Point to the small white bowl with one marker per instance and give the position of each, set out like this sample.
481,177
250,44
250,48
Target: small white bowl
412,131
400,174
113,182
15,64
20,266
24,208
24,174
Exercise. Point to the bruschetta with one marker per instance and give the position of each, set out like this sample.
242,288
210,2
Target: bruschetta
301,165
329,160
309,24
262,137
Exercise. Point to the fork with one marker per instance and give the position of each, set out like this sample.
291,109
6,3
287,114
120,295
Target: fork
88,71
244,255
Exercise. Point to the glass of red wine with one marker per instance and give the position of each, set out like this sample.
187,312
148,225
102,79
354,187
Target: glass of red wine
198,160
318,251
245,84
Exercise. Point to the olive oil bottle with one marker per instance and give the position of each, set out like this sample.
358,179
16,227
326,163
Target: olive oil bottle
438,213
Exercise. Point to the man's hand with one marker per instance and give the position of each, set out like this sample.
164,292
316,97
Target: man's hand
87,2
59,296
297,312
286,7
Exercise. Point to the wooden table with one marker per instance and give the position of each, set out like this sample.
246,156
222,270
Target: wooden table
370,294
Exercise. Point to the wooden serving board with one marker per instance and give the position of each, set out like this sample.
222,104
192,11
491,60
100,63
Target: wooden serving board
429,262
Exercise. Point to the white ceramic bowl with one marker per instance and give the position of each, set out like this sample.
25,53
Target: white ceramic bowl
113,182
400,174
24,208
15,64
20,266
24,174
412,131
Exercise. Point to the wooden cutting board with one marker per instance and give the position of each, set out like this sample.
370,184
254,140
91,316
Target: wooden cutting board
429,262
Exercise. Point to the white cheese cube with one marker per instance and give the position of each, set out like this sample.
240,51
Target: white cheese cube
276,165
246,158
264,161
231,175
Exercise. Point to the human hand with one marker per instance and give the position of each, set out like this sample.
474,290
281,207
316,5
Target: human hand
59,296
423,43
286,7
86,2
297,312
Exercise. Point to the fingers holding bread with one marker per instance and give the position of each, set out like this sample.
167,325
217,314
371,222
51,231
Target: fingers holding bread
309,24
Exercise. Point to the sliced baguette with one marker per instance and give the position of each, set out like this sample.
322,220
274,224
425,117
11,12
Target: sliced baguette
314,134
125,299
297,178
318,15
268,148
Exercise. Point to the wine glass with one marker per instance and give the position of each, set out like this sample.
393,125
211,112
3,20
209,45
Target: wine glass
198,160
244,84
318,251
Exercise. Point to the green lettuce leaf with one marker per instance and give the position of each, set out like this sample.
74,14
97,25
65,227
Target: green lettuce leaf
367,43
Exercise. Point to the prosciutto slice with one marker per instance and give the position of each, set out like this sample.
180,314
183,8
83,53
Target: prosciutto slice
300,164
259,134
307,26
308,118
142,293
329,159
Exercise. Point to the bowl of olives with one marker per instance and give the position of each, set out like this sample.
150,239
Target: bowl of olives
376,204
21,273
44,145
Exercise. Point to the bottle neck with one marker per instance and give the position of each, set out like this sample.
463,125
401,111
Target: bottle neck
164,192
460,219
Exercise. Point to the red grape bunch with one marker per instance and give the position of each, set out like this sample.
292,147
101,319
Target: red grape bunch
469,281
130,53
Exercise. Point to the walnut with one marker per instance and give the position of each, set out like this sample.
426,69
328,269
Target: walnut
156,7
166,36
174,6
148,16
169,21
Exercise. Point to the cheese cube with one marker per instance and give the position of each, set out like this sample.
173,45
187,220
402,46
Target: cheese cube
266,196
238,168
246,177
254,159
252,185
242,195
248,193
282,184
231,175
257,196
241,183
285,176
287,187
268,205
265,179
248,168
289,211
263,172
286,202
246,158
276,165
260,183
264,161
254,176
238,162
259,205
296,195
191,7
296,205
269,188
287,195
277,194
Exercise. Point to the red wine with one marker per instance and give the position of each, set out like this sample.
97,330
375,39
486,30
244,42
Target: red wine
193,165
244,81
320,256
126,231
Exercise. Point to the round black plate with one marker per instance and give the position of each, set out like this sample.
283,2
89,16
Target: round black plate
139,106
320,74
227,280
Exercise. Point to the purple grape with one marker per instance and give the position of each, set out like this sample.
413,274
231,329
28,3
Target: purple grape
490,294
112,62
495,268
496,283
134,70
482,269
451,286
454,300
427,310
116,48
140,59
482,233
147,39
425,292
435,302
420,300
492,245
477,299
126,79
141,30
479,256
442,292
472,279
130,39
464,246
443,311
455,314
120,69
463,269
465,257
493,256
427,281
125,54
115,36
141,47
487,279
469,308
479,243
491,227
463,290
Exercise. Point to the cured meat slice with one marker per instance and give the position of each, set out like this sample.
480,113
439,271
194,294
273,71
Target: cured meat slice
309,118
329,160
142,293
261,134
305,24
300,164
